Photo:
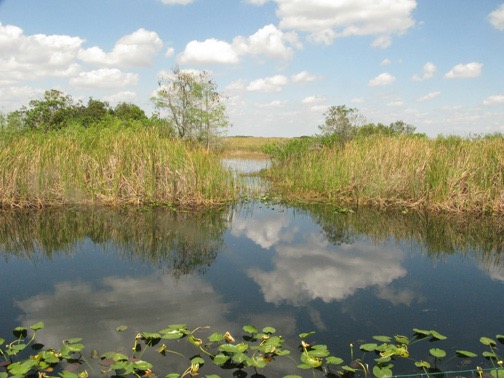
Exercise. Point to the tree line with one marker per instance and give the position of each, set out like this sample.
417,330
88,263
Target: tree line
188,106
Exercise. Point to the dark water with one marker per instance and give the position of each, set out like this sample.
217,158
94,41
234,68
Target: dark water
348,277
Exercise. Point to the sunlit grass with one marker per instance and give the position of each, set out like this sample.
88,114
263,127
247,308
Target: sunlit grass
247,147
442,174
111,167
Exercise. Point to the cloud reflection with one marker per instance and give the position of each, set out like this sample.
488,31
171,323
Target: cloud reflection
146,304
265,231
318,270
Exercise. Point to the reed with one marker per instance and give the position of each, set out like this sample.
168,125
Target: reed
109,166
452,174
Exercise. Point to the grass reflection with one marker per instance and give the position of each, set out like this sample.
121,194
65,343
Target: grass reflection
178,241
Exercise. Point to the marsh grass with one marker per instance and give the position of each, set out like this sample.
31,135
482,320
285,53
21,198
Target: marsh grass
247,147
109,166
451,174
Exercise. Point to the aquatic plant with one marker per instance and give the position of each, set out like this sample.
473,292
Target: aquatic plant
257,350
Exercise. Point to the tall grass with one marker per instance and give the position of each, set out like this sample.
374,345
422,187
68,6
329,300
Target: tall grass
451,173
108,166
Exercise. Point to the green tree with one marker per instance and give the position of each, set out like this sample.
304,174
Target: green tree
194,106
49,113
129,112
341,122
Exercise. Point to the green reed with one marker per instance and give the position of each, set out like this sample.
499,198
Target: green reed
451,174
109,166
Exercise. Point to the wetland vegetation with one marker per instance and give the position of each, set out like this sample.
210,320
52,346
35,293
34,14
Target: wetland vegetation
64,165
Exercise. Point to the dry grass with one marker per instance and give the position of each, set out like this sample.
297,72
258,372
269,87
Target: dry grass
247,147
111,167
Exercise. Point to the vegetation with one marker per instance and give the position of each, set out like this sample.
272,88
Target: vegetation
257,351
193,105
390,166
110,164
246,146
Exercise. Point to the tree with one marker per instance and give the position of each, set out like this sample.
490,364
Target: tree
50,113
129,112
194,107
342,122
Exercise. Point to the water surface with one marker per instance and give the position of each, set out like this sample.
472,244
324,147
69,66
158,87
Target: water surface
346,276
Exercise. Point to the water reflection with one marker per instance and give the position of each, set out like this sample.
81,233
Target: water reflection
85,271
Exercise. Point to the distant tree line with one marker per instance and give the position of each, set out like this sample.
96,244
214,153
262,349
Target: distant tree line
344,124
191,108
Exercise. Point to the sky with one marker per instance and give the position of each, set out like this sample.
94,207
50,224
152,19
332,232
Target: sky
279,64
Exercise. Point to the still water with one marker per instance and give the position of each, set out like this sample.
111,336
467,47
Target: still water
345,276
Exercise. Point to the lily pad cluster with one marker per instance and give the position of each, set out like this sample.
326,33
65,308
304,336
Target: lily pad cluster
257,349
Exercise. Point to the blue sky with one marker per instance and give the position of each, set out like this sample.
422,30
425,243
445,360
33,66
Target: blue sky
438,65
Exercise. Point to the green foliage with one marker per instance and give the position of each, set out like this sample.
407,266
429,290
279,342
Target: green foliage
257,351
193,106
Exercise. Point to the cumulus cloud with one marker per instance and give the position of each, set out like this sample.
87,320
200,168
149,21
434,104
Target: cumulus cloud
429,96
268,84
29,57
136,49
493,100
327,20
382,79
209,51
104,78
496,18
268,41
11,96
303,77
265,231
469,70
429,69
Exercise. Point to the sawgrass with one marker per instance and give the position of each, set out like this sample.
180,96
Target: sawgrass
447,173
109,166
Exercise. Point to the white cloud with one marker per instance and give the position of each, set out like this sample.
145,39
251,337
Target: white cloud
169,52
382,79
104,78
29,57
313,99
177,2
429,69
303,77
386,62
257,2
492,100
396,103
268,41
274,104
497,18
136,49
11,97
326,20
469,70
268,84
124,96
429,96
209,51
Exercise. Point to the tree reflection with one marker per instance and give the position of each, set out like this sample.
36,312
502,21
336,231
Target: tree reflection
181,242
436,234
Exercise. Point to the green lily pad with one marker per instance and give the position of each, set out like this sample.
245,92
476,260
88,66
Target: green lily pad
438,353
487,341
465,353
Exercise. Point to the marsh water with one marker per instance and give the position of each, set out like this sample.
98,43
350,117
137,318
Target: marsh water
348,276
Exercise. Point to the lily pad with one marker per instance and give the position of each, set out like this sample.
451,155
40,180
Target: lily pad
438,353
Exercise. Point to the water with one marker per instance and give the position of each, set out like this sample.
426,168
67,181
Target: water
347,277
